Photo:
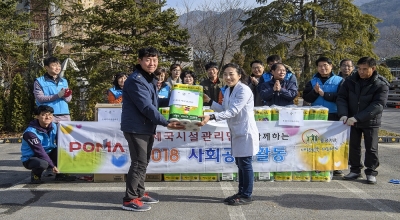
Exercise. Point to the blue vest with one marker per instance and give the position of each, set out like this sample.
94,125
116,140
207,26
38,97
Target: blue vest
49,88
268,76
331,85
223,90
164,92
116,92
48,143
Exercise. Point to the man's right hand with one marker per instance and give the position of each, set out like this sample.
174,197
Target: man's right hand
55,170
61,93
176,125
343,119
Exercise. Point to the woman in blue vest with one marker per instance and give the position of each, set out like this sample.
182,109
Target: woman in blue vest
163,88
115,93
323,88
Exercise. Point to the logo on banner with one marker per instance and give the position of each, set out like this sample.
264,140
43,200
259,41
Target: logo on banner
310,136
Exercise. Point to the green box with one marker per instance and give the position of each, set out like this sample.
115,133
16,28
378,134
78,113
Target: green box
283,176
304,176
172,177
228,176
194,177
263,176
209,177
321,176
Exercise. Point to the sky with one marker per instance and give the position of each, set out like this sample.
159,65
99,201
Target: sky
179,5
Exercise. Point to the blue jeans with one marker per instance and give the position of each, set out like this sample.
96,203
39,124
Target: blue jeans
246,176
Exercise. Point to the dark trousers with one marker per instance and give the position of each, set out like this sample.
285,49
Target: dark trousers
140,150
333,117
371,160
38,165
245,175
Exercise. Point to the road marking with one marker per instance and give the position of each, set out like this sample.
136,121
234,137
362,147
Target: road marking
235,212
369,199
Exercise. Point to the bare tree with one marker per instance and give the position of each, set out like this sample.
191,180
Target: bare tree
214,28
389,43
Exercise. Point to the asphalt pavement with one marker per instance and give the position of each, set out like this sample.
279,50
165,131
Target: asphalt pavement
338,199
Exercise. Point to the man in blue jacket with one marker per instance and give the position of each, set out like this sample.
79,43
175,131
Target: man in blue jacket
139,119
39,149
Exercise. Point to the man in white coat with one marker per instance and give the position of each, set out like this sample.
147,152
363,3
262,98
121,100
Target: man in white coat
238,110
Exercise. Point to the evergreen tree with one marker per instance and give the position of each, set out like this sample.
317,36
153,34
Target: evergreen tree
18,105
300,31
2,108
107,37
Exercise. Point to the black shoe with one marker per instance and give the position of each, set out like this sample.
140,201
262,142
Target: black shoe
236,196
240,201
353,176
65,177
338,173
35,179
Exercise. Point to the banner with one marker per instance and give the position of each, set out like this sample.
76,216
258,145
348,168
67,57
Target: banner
100,147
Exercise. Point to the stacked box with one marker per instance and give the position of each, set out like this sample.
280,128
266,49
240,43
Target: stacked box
283,176
193,177
172,177
264,176
258,113
304,176
208,177
153,177
321,176
228,176
275,113
165,112
98,177
186,105
306,113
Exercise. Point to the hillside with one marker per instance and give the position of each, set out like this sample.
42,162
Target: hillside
387,10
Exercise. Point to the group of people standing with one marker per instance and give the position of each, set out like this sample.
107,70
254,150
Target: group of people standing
356,98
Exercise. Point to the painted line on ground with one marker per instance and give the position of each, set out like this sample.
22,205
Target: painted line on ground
235,212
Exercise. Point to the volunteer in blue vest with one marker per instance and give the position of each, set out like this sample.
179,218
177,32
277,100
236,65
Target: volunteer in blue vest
163,89
271,60
39,149
115,93
52,90
323,88
238,110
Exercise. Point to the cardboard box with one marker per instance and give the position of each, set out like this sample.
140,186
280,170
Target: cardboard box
105,106
193,177
264,176
228,176
172,177
153,177
283,176
209,177
109,177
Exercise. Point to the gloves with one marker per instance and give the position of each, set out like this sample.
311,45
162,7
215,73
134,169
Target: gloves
351,121
343,119
61,93
67,93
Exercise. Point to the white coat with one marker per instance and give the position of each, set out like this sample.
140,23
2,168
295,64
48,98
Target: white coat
238,110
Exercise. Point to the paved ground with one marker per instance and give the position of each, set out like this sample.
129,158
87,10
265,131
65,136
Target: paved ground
338,199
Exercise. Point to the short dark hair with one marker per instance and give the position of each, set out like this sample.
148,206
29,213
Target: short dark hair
371,62
43,109
184,73
239,70
50,60
211,65
174,66
273,67
148,52
274,58
345,60
256,61
323,59
116,77
159,71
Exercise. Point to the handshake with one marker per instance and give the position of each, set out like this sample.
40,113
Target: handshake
64,93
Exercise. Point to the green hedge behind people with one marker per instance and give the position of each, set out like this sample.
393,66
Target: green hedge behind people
360,105
39,149
52,90
238,110
139,119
